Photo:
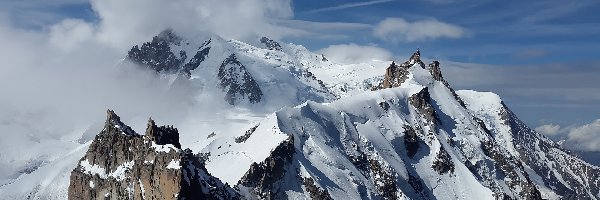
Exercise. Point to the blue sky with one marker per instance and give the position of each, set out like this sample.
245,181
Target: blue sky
541,57
535,41
499,32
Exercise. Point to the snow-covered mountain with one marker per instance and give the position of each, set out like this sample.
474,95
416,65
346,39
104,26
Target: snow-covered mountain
298,126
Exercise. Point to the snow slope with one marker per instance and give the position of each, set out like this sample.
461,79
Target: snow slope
557,172
383,144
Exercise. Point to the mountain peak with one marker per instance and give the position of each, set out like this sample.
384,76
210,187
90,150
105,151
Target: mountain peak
415,58
113,123
169,36
112,117
271,44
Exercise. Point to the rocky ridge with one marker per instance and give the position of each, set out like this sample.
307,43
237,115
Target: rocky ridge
121,164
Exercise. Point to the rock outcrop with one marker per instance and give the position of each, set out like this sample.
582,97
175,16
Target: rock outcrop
160,55
395,74
271,44
121,164
260,179
157,54
237,82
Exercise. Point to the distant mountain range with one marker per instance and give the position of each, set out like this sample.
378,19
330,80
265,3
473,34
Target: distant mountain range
300,126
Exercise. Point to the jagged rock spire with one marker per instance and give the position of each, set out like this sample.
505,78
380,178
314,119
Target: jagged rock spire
415,58
113,124
162,135
119,166
112,117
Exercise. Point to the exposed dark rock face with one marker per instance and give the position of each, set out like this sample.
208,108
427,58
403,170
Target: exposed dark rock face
443,163
422,102
384,105
120,164
395,75
417,185
415,59
158,55
436,72
246,135
510,167
314,191
162,135
360,161
411,141
237,82
384,180
271,44
197,59
261,177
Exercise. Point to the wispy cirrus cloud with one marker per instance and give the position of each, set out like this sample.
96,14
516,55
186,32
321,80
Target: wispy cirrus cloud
349,5
547,10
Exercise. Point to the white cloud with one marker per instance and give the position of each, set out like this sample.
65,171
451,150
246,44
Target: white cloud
585,138
548,129
58,79
353,53
400,30
70,33
575,137
124,22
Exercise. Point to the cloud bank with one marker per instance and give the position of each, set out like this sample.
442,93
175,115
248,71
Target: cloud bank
548,129
353,53
581,138
400,30
586,137
127,21
57,81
